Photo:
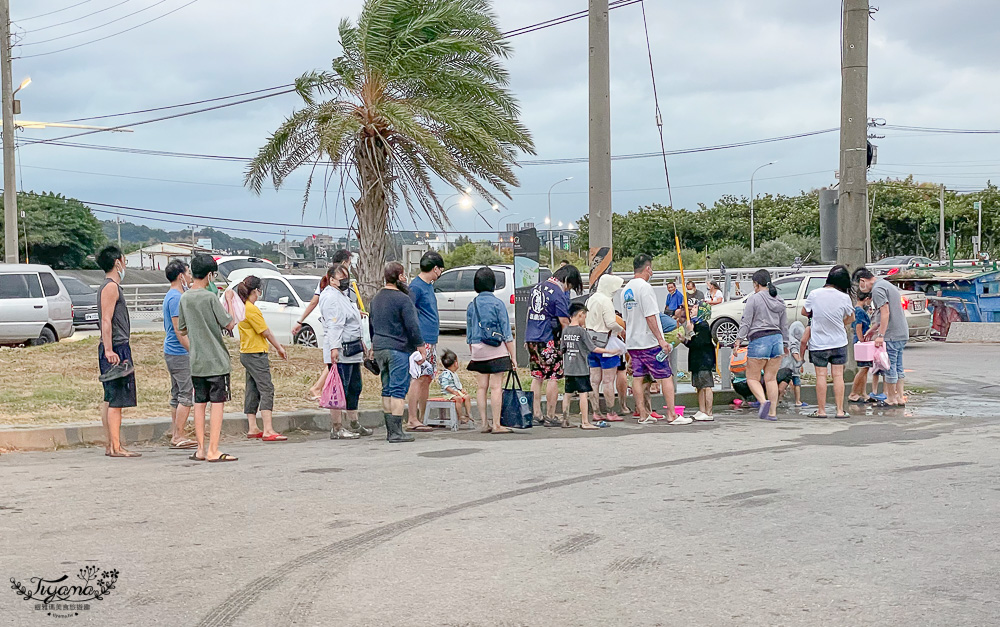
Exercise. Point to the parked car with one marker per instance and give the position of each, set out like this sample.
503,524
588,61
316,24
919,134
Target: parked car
892,265
35,307
455,290
228,265
725,322
284,300
84,302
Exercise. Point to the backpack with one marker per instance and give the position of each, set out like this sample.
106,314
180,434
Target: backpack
738,363
491,333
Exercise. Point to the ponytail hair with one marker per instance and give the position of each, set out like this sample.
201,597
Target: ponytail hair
763,278
247,285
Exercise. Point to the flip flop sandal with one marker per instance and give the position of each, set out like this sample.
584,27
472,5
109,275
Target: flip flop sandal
857,400
842,416
590,427
255,436
565,424
486,430
184,444
502,430
129,454
816,414
602,424
195,458
420,429
225,457
274,438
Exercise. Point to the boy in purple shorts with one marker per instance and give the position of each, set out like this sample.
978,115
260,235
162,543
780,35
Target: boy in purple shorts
647,348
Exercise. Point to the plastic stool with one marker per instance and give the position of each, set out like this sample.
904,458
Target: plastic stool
440,406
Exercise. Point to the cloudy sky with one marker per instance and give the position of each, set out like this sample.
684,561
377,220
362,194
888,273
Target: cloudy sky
727,70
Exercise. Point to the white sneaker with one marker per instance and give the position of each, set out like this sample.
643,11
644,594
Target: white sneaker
703,417
344,434
680,420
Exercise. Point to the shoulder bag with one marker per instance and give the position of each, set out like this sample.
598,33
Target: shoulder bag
490,331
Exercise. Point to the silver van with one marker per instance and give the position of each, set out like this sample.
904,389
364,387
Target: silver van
35,307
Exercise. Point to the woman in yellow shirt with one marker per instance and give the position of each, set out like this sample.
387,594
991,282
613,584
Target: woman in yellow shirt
254,338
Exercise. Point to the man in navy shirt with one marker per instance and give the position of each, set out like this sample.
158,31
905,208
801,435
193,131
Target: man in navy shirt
548,315
422,294
675,300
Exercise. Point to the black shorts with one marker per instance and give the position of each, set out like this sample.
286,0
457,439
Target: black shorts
214,389
578,385
784,375
828,357
497,365
118,392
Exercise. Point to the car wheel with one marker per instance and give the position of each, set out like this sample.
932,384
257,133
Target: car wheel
724,331
47,336
306,337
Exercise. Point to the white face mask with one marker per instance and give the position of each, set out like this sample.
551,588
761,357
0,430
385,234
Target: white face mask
121,273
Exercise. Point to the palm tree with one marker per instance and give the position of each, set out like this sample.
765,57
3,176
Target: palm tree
419,93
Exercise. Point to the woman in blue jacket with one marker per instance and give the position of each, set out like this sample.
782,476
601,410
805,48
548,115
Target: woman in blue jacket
490,363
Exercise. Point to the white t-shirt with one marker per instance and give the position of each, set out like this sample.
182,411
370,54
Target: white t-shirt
829,307
639,301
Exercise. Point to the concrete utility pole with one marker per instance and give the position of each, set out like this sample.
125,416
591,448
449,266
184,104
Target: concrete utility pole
9,182
853,206
941,244
600,141
118,219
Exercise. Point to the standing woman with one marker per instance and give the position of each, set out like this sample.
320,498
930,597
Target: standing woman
343,347
831,310
763,325
395,335
492,358
603,326
254,338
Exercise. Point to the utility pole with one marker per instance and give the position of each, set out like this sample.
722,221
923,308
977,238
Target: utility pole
284,245
853,189
600,254
9,182
944,249
118,219
193,227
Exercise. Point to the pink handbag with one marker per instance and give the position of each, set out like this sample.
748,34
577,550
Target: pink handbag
333,396
880,360
233,305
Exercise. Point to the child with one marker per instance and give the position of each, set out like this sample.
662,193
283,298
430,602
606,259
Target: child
792,363
576,346
451,384
254,340
862,322
701,364
202,318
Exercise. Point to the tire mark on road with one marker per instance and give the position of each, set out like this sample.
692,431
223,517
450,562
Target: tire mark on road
240,601
575,544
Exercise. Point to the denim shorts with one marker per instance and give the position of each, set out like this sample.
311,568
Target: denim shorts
395,367
767,347
895,350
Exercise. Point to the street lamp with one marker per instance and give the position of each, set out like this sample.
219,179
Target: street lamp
548,220
753,243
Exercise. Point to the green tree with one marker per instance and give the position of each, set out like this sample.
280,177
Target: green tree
61,231
480,254
419,91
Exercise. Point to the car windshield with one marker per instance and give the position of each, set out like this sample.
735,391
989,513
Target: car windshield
226,267
889,261
305,288
76,287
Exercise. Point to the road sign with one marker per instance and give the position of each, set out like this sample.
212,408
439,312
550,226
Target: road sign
977,205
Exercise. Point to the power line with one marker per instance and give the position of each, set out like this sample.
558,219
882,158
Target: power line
187,223
35,17
184,104
87,30
76,19
956,131
93,41
564,19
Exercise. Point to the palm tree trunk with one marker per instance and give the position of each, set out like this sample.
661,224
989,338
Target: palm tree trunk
373,214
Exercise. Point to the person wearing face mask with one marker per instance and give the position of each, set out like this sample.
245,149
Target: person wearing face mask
114,355
395,335
254,340
422,295
175,354
344,347
694,295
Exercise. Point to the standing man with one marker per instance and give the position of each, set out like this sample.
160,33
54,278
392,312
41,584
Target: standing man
548,314
892,330
175,353
422,295
202,318
342,256
675,300
647,348
114,355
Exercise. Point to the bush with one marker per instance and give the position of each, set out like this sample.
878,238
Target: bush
805,246
773,253
731,256
693,260
479,254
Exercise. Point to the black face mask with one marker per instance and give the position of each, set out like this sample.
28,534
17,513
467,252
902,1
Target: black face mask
345,284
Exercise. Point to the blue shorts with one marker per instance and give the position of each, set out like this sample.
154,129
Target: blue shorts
895,350
395,367
796,380
767,347
597,360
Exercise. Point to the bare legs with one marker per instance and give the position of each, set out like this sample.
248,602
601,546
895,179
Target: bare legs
551,397
179,416
667,388
821,391
838,387
621,383
859,389
317,388
111,419
768,391
214,428
492,386
705,399
419,391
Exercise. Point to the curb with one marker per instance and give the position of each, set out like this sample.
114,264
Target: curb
158,429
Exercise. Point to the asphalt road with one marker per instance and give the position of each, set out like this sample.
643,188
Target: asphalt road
878,520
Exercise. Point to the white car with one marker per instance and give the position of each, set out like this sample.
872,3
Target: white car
35,306
284,300
454,290
793,289
228,265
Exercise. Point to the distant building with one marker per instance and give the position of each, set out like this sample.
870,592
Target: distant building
157,256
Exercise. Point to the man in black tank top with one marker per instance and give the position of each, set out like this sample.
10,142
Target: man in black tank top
114,356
